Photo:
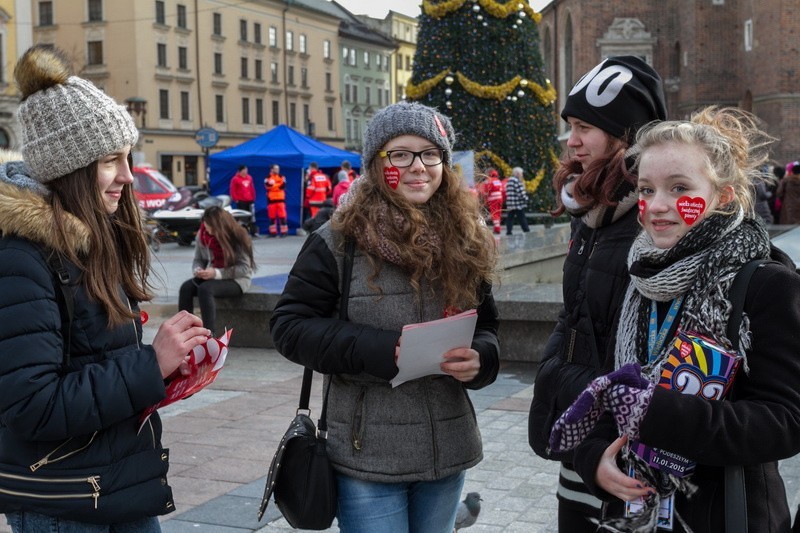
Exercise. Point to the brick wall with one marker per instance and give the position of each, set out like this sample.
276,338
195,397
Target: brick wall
700,48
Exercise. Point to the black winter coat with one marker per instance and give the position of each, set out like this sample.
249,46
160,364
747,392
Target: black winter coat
757,426
594,284
80,420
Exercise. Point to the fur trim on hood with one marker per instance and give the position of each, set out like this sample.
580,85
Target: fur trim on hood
25,212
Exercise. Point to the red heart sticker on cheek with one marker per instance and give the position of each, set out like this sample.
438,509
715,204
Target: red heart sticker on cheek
642,207
690,208
392,176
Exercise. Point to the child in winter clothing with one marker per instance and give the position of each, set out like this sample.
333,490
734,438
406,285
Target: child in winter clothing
75,376
595,184
695,204
399,453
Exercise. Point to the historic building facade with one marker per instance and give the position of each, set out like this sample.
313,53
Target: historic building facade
15,38
239,68
403,29
725,52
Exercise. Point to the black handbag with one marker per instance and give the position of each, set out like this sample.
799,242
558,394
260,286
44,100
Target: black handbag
300,475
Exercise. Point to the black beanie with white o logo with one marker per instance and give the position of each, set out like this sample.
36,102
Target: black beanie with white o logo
619,96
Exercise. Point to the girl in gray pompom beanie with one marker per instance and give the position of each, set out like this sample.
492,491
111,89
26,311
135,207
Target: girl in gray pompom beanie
74,266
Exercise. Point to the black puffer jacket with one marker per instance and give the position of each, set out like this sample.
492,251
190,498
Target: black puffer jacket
594,284
80,420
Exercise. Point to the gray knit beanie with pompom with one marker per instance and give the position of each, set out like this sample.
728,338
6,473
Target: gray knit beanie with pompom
67,123
408,118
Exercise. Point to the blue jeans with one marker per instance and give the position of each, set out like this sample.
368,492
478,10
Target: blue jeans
414,507
26,522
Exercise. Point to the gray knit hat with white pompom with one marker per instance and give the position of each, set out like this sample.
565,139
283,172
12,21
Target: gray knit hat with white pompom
67,123
407,118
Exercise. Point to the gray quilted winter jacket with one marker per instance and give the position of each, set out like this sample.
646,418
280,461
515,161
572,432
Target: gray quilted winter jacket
422,430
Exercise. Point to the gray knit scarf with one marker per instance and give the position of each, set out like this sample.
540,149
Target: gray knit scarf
392,221
701,266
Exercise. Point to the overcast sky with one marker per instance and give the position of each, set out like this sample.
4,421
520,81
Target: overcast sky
380,8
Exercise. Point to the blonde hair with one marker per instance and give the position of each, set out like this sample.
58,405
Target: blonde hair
467,256
735,147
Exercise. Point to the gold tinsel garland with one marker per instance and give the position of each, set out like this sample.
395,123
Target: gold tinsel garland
532,185
497,92
417,91
496,9
505,169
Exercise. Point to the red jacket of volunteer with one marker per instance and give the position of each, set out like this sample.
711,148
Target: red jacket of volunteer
242,188
319,187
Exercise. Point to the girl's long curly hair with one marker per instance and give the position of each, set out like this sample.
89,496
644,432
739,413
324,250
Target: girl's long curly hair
597,183
467,256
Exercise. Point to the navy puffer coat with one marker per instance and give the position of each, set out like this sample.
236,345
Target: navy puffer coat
76,420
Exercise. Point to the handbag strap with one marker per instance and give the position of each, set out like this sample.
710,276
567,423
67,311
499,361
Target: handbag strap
308,374
735,494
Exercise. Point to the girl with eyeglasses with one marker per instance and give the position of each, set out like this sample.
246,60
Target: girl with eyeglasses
422,253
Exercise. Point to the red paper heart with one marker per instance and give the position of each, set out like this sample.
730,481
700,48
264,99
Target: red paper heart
690,208
686,349
392,176
144,317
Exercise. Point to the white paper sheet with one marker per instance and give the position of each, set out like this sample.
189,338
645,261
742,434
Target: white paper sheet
423,345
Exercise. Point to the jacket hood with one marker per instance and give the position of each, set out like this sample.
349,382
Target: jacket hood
25,212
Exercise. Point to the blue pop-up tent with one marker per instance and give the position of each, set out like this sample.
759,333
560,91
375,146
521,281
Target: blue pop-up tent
286,147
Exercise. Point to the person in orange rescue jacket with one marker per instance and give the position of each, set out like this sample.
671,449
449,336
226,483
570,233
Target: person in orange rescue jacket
276,202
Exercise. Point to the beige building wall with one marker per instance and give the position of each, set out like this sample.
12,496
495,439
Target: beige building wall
15,38
404,31
188,64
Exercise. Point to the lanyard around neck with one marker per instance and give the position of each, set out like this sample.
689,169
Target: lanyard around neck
656,337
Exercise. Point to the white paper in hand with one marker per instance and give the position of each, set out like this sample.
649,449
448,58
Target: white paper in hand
423,345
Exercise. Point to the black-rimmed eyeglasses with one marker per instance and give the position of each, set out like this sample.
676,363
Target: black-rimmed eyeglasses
405,158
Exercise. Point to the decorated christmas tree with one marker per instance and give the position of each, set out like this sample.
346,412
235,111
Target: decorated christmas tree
478,61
